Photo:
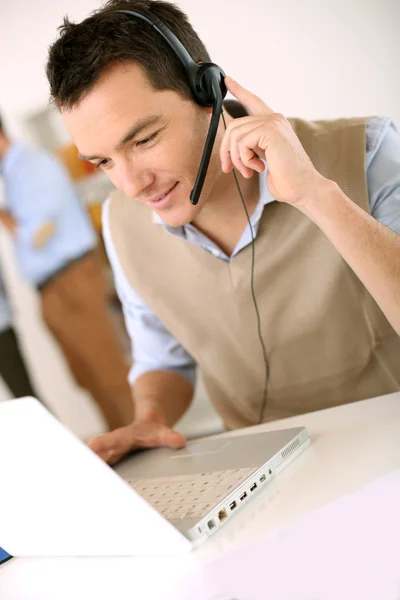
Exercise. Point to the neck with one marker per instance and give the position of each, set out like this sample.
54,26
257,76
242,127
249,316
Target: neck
223,218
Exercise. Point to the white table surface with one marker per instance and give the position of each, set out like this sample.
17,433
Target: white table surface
352,446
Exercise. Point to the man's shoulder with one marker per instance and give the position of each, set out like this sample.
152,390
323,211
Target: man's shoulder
373,130
318,127
34,161
31,153
377,129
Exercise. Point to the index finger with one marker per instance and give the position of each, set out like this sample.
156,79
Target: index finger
252,102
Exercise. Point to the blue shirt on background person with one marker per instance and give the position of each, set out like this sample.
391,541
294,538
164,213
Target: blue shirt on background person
39,191
154,348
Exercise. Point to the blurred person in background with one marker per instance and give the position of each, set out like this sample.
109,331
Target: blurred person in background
13,370
55,246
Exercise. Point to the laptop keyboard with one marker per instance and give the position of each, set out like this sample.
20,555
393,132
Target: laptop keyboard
189,496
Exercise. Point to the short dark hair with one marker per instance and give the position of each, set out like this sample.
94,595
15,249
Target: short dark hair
85,51
1,126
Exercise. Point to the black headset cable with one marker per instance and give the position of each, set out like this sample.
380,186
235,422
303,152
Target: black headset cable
264,351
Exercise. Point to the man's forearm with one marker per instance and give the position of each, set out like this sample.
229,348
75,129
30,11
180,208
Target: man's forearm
371,249
163,396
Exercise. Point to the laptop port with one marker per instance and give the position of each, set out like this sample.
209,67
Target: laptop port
243,496
263,478
253,487
233,505
211,524
222,515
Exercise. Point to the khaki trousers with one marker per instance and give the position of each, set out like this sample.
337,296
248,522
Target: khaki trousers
74,305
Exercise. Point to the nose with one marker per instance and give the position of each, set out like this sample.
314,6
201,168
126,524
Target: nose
133,180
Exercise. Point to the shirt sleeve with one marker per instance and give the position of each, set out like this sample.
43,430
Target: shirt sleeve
383,171
39,192
153,346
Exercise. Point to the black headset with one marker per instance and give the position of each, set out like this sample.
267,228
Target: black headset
207,86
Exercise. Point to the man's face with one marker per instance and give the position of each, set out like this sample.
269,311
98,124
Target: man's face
148,142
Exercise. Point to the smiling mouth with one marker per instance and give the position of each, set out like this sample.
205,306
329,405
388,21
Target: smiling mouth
160,199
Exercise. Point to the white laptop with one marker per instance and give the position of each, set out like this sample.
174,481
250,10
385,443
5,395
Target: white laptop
59,499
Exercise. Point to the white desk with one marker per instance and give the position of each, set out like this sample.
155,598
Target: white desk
352,446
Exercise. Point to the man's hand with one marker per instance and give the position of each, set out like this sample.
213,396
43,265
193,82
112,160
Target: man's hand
44,234
291,176
113,446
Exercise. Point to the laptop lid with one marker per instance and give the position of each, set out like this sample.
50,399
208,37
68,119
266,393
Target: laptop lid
60,499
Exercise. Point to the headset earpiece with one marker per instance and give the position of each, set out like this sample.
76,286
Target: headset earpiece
203,83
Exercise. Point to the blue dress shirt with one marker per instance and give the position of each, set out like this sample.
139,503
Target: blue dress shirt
38,190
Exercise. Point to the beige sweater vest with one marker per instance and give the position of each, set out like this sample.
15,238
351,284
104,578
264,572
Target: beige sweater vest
327,341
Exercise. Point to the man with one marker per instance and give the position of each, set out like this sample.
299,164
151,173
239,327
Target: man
327,271
12,366
55,248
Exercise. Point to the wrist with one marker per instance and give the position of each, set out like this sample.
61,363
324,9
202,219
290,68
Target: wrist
317,202
149,411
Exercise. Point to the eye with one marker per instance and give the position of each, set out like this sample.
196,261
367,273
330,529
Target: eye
102,164
145,141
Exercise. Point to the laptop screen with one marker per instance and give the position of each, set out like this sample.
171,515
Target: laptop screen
3,556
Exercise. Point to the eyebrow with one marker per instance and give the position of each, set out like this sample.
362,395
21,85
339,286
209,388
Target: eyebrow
130,135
